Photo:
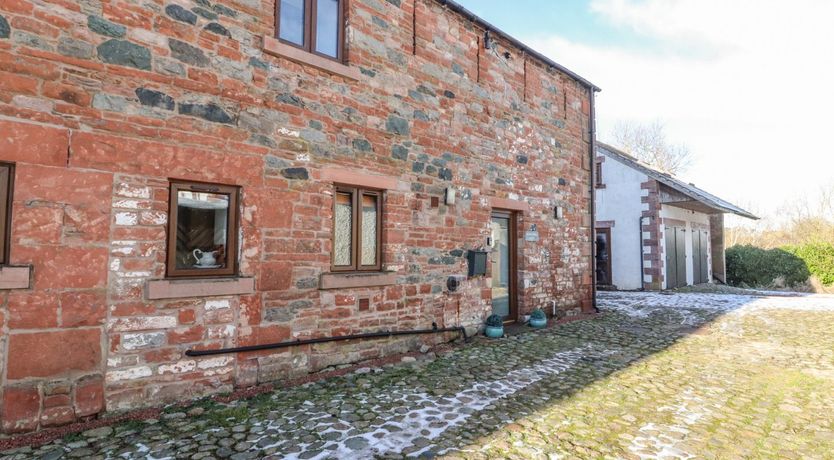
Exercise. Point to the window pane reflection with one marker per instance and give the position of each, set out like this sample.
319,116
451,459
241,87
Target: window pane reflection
202,227
291,27
327,27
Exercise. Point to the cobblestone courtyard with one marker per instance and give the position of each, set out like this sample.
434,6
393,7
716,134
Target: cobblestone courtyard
657,375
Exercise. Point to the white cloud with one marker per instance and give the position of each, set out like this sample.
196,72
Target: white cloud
748,86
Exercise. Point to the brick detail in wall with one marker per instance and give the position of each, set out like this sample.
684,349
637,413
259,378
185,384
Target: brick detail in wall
653,269
101,109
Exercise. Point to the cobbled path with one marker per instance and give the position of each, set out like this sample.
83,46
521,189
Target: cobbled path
655,376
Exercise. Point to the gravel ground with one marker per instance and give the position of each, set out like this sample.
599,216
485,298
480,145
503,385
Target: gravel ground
655,376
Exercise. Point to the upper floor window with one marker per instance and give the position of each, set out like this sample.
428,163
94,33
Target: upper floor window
202,230
598,174
316,26
6,181
357,229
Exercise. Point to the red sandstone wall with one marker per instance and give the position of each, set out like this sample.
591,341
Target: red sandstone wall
94,153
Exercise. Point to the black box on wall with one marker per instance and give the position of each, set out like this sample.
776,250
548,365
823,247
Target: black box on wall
477,262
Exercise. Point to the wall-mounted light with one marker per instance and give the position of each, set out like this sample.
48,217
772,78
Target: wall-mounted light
488,43
558,212
450,196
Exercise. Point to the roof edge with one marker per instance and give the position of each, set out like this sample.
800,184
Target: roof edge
460,9
669,180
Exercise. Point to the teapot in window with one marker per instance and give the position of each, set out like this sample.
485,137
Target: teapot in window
205,258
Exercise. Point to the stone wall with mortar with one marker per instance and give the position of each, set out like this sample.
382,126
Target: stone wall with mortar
103,101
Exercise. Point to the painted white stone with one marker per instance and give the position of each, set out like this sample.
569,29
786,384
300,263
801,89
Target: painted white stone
180,367
214,362
127,218
142,340
131,373
142,323
217,304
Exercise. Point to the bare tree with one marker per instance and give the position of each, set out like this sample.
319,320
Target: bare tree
648,143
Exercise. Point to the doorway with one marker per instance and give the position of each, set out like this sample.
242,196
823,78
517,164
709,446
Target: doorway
504,270
675,256
603,256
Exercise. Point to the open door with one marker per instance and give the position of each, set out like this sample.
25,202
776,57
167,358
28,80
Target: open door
504,270
603,256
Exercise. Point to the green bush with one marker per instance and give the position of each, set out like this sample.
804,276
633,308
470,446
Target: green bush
538,314
756,267
819,258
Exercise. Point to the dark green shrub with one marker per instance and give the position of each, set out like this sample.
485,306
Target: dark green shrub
819,258
756,267
495,321
538,314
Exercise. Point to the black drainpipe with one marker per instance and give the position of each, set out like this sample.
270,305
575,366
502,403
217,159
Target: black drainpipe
295,343
593,154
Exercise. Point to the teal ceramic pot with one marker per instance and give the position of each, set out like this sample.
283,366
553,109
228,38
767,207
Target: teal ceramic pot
494,332
538,323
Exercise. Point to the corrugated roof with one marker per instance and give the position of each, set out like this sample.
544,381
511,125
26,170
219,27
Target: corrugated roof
671,181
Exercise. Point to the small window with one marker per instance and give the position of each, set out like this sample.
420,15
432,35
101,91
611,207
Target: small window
316,26
6,185
202,230
357,224
598,174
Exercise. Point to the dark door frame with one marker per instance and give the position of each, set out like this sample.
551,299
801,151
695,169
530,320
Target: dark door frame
512,247
607,232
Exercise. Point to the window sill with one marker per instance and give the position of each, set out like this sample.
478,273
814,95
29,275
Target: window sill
206,287
356,280
274,47
15,277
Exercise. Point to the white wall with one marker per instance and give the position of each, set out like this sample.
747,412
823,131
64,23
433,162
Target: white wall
620,202
690,217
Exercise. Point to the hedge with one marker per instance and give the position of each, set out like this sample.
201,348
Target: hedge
752,266
819,258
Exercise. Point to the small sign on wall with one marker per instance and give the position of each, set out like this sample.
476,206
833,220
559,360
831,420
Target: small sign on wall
532,234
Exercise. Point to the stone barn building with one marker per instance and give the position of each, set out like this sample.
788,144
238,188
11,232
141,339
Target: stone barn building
653,230
182,175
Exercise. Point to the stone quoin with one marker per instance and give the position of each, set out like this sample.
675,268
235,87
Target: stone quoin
124,124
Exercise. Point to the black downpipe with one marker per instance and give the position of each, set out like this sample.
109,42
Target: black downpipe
294,343
593,154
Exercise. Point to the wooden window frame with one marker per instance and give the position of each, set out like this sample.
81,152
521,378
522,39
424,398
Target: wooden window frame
233,219
356,230
598,182
310,23
6,198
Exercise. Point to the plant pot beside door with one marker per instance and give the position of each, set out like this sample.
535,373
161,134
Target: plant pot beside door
538,319
494,327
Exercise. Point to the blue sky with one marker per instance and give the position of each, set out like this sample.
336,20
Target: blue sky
745,84
572,19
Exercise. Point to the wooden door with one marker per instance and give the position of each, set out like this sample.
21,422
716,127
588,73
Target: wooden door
603,256
504,270
696,257
680,255
675,256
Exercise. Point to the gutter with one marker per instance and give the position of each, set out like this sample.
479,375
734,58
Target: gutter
295,343
458,8
593,153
